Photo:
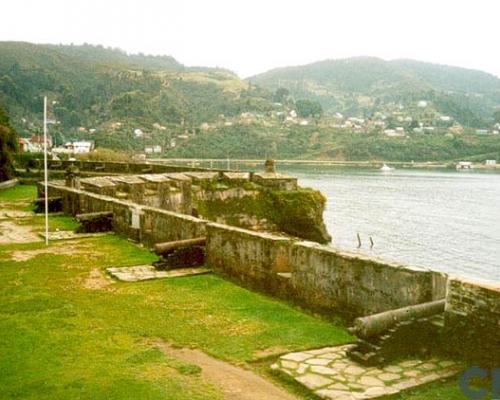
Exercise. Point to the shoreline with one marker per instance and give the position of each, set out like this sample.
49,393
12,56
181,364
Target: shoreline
330,163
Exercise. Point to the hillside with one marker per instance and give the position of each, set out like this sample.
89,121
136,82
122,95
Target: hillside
135,101
93,87
365,85
323,143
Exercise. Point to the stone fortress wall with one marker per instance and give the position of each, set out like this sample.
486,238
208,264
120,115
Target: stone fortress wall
156,207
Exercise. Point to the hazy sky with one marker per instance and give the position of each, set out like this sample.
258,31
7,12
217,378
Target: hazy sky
252,36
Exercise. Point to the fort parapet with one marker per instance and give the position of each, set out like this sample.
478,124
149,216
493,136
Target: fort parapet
158,207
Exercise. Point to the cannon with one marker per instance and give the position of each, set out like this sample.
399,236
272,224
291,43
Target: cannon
396,333
180,253
95,222
377,324
55,204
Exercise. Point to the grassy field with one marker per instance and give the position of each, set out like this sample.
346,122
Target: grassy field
67,331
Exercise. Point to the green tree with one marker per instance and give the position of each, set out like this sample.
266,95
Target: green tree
496,116
8,145
308,108
281,95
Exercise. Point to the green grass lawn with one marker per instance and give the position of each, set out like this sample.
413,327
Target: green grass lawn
18,198
69,332
59,337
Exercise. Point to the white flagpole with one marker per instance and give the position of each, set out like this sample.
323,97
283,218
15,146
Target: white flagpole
45,170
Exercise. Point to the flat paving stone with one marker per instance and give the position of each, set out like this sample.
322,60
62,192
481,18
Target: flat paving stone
147,272
296,357
318,361
319,369
388,376
313,381
331,375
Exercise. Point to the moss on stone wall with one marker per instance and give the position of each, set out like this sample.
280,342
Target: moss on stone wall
300,213
295,212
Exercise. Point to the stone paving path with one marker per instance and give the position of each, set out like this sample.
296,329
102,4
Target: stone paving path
330,374
146,272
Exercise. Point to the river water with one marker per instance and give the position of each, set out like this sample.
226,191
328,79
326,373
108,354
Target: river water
444,220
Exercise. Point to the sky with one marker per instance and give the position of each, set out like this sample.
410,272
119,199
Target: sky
252,36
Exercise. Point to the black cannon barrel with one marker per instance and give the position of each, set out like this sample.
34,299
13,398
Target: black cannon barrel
94,216
166,247
377,324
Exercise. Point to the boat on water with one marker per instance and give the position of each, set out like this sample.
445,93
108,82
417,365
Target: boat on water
464,166
386,168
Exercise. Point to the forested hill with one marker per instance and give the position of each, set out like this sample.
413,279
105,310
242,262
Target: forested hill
92,85
364,85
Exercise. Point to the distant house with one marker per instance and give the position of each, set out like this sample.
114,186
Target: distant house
422,104
76,147
25,146
152,149
445,118
37,143
138,133
491,163
481,131
81,147
304,122
464,165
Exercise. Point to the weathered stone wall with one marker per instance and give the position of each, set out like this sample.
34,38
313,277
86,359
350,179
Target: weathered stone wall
142,223
358,285
318,276
257,260
115,167
229,198
472,321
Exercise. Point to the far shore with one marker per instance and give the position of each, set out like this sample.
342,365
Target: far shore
332,163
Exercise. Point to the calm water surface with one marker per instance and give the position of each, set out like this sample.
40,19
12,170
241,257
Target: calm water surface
444,220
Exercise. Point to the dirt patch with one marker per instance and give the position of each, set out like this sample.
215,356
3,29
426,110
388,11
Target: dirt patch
8,214
10,232
96,280
236,383
25,255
